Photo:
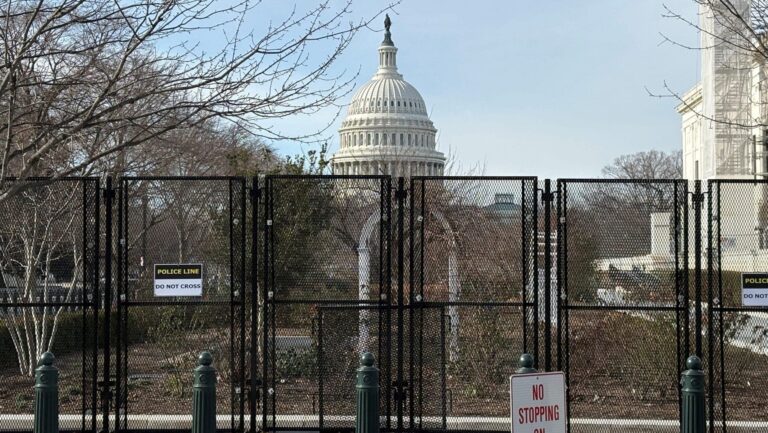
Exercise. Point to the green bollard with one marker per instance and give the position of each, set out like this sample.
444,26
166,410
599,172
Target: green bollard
367,420
525,364
204,396
692,383
46,395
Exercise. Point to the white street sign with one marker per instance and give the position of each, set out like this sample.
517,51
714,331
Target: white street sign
179,280
537,402
754,289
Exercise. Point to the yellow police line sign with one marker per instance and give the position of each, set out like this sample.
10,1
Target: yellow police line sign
754,289
178,280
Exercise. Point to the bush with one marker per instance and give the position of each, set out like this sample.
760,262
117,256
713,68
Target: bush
69,332
293,363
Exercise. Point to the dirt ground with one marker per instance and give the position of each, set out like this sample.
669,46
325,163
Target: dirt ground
619,369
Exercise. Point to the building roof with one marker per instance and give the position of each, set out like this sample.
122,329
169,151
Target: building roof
690,99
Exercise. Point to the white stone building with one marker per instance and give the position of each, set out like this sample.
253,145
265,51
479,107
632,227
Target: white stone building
724,136
718,114
387,129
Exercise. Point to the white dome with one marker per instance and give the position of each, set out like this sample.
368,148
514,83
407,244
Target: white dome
387,95
387,129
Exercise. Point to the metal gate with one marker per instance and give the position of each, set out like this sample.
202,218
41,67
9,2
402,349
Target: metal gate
179,221
49,287
339,346
624,304
327,296
737,239
471,296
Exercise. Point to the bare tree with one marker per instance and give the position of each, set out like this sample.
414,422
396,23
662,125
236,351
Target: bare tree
83,80
652,164
42,233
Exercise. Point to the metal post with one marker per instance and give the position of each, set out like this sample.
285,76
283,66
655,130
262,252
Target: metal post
255,314
400,195
367,419
547,198
204,396
106,390
525,364
46,395
692,382
698,198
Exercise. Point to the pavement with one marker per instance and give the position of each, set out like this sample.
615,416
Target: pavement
454,424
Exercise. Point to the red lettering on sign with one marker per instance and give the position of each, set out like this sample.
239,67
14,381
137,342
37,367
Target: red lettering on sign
538,392
536,414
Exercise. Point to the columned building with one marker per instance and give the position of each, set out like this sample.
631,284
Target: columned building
387,129
720,114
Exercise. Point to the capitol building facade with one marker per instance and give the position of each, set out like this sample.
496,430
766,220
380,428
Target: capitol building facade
387,130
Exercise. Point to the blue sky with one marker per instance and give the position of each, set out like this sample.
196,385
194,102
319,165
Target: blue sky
547,88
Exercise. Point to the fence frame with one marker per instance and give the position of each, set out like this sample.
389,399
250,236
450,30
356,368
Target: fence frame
399,309
564,305
236,210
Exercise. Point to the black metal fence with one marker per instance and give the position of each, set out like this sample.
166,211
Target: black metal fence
159,334
623,322
445,279
49,293
737,333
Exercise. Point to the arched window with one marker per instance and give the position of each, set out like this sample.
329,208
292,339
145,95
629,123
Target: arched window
383,139
402,143
368,140
409,139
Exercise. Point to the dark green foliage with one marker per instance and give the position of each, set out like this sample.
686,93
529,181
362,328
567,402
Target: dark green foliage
296,363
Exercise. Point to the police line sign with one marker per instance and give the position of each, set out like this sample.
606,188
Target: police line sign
537,401
754,289
179,280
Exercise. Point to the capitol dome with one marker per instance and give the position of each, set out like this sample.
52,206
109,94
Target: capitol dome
387,129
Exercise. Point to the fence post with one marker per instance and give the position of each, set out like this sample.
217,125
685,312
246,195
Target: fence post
204,396
692,382
46,395
525,364
367,420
